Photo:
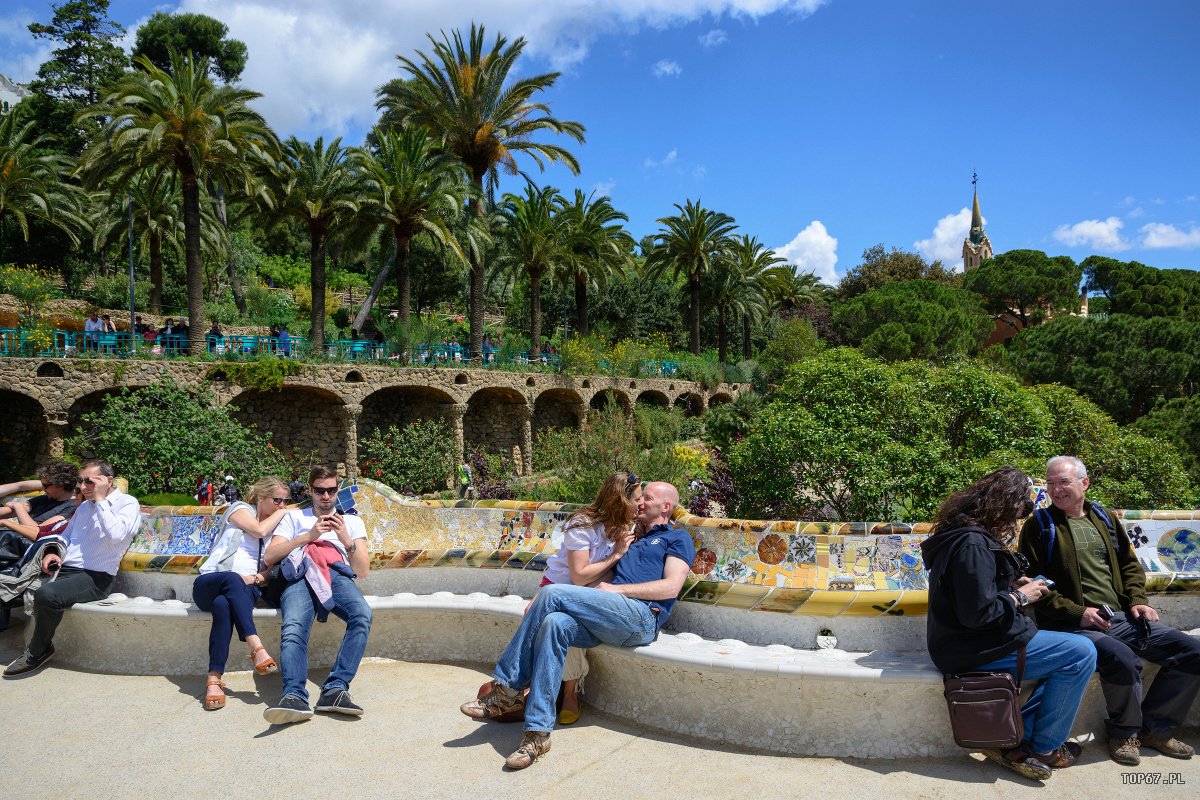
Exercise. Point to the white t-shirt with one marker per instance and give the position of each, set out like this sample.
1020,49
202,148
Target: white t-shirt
580,536
245,560
300,521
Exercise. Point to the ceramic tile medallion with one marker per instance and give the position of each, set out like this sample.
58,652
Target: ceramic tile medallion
789,567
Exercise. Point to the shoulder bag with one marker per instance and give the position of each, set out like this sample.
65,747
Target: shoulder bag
985,708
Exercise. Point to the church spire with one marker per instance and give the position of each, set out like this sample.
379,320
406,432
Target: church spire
976,247
976,222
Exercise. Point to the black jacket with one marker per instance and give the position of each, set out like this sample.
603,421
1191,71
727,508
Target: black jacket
972,619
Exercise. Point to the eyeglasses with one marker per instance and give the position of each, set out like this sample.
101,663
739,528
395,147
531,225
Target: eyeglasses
631,479
86,482
278,500
324,490
1022,563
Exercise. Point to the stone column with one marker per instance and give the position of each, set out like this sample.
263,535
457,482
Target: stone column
353,411
525,416
454,416
56,434
581,411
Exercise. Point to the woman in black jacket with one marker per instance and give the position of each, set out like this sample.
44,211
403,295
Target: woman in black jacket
977,593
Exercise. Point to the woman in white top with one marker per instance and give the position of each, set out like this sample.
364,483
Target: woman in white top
594,539
231,577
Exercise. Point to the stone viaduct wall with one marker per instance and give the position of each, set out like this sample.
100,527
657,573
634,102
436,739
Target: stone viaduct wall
327,408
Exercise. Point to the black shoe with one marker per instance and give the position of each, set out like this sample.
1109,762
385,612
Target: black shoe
5,617
27,663
289,709
337,701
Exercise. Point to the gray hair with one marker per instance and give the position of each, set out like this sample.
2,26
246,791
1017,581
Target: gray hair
1076,464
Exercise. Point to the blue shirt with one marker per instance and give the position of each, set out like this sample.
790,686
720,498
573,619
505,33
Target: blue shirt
647,561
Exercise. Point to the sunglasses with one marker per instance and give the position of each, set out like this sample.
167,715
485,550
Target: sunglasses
324,490
278,500
86,482
632,479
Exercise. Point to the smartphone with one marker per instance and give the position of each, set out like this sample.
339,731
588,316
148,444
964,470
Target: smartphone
1106,613
1049,583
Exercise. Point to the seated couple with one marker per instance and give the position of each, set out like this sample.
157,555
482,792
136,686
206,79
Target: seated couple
647,565
320,553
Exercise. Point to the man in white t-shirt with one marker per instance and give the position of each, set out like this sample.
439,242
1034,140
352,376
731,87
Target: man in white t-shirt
319,542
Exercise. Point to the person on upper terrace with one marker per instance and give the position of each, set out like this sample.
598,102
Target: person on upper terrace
231,581
169,328
285,341
1100,593
97,536
978,591
93,326
139,327
215,331
626,612
320,552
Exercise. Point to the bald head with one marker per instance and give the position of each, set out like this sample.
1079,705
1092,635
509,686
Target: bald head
656,504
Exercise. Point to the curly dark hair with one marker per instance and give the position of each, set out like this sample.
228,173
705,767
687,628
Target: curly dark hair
995,502
59,473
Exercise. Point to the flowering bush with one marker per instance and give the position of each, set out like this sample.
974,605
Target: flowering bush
31,286
419,456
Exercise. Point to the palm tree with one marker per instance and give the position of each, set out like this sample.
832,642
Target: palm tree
689,246
321,188
33,180
412,186
178,121
459,94
598,247
788,289
536,246
156,203
752,268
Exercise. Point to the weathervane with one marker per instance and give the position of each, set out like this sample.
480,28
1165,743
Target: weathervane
974,178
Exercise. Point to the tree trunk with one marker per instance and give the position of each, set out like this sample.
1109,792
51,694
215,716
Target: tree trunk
316,262
581,303
722,334
156,273
404,283
364,311
535,314
478,266
195,268
746,337
235,281
694,313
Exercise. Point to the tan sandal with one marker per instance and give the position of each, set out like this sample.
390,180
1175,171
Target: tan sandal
266,667
212,702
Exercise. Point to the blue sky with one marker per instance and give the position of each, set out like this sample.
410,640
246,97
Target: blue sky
822,127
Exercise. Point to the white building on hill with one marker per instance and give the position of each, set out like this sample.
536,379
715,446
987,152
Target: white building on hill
11,93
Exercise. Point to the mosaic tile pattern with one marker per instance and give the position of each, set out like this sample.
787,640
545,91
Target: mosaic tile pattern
813,568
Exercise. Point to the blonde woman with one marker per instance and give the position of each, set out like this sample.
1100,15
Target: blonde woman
231,578
594,539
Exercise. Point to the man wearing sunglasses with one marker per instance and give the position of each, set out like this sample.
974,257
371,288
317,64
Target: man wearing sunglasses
97,536
320,553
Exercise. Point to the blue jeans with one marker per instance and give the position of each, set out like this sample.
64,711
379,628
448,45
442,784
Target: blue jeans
563,616
231,602
299,611
1064,668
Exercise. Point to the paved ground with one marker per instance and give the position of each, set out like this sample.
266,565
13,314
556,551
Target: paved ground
73,734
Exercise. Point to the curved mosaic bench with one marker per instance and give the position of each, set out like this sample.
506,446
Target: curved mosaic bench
718,672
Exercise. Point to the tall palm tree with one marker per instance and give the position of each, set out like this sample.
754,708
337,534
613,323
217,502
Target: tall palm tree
689,246
178,121
462,95
33,180
751,268
536,245
157,213
598,247
411,186
321,188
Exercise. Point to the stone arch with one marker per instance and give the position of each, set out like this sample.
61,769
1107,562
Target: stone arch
600,400
691,403
401,405
303,420
24,439
497,420
653,397
354,376
49,370
461,379
556,408
719,399
89,403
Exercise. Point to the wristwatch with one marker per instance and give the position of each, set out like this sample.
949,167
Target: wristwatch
1020,597
353,546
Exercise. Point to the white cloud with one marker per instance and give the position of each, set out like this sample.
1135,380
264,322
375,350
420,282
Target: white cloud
812,250
666,67
667,160
1095,233
1137,212
945,244
699,171
714,38
604,188
20,53
318,63
1157,235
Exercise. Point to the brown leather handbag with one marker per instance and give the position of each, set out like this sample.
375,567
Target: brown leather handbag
985,708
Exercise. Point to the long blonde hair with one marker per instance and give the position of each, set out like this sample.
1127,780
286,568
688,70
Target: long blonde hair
613,507
263,487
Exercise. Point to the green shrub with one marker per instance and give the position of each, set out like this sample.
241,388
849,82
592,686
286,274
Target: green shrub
162,438
112,291
285,271
268,307
420,455
709,373
264,374
32,287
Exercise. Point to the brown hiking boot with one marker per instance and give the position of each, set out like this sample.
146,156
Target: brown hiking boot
1125,751
532,747
499,701
1168,745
